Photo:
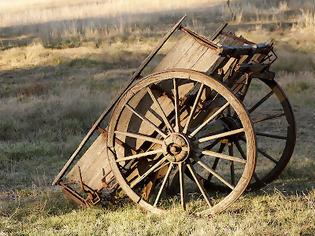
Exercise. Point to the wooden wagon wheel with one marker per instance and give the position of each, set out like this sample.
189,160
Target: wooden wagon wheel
275,129
274,124
163,139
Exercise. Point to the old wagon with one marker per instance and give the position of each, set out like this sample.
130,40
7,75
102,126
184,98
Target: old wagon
189,127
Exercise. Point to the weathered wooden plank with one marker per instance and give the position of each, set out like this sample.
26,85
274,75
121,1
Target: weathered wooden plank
189,53
176,53
191,57
206,60
92,165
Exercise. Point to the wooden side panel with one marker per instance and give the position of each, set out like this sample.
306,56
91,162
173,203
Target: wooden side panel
206,60
188,53
176,53
93,164
191,57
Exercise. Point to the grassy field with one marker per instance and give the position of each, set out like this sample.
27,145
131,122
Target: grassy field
60,64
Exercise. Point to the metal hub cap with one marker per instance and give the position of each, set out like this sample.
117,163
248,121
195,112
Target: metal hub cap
177,147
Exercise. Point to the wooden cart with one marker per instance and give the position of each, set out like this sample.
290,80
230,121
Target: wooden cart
192,128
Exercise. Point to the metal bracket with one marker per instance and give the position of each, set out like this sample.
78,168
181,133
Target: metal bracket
93,196
73,195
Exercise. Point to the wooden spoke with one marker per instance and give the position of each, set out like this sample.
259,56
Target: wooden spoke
193,109
212,145
208,120
212,172
160,167
267,156
146,120
232,169
261,101
162,113
142,154
162,91
263,153
240,149
200,186
225,134
140,136
181,185
216,161
163,184
275,116
176,104
223,156
238,146
139,179
271,135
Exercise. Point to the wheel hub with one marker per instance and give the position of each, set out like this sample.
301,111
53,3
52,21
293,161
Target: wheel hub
177,147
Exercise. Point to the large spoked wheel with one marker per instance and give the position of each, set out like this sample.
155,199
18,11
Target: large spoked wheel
274,123
275,129
156,135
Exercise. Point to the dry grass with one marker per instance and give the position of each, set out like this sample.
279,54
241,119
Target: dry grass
39,213
56,77
306,21
55,24
68,25
36,11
